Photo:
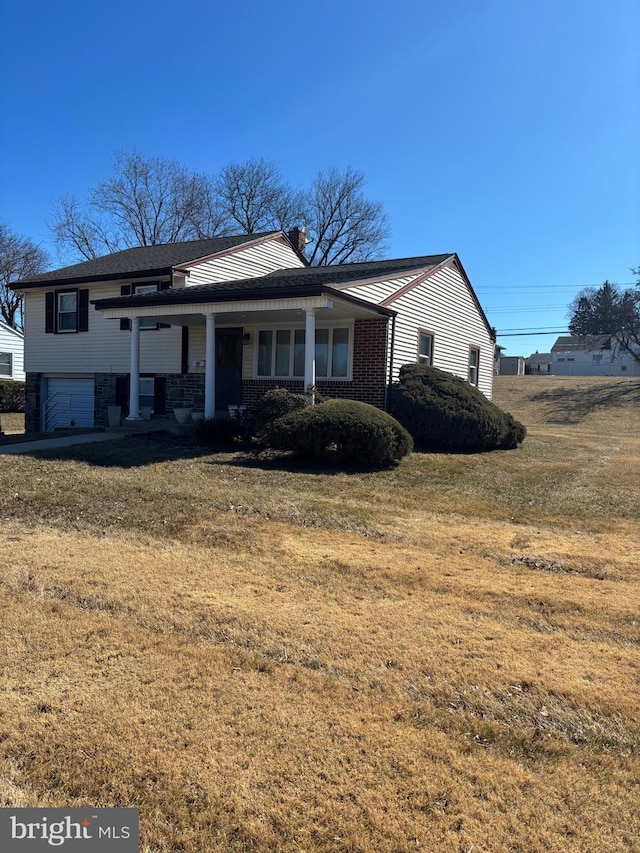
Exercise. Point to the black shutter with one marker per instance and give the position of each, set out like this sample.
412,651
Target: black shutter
184,360
160,395
125,325
122,393
49,312
83,310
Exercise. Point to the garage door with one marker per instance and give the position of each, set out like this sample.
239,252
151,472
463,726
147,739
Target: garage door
68,402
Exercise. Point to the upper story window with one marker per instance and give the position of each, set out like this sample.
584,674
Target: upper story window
281,353
67,311
474,365
6,364
425,347
146,288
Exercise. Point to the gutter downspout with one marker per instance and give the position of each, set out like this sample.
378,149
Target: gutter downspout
387,407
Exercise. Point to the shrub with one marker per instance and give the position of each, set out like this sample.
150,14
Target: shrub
275,404
12,396
443,412
219,430
342,432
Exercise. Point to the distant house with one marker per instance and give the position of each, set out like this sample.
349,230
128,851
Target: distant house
538,364
215,323
11,353
597,355
511,365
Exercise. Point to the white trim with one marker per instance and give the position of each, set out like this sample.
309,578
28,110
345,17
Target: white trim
295,327
218,308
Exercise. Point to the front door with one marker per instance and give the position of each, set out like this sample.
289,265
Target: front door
228,367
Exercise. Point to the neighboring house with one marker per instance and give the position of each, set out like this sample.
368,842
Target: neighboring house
11,353
511,365
597,355
538,364
216,323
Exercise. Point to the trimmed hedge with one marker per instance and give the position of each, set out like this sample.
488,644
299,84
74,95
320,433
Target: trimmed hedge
12,396
342,432
443,412
275,404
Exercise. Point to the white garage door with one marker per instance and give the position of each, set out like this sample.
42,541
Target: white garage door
68,402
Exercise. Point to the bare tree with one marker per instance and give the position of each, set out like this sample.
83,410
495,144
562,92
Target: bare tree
147,201
254,197
343,224
19,258
150,201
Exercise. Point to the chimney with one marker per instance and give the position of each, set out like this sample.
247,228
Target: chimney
298,237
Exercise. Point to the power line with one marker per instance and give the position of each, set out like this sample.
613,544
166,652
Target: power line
528,334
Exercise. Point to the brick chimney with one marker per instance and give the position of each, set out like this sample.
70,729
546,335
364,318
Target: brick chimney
298,237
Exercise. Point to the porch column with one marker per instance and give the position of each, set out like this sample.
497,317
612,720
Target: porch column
134,374
210,367
310,351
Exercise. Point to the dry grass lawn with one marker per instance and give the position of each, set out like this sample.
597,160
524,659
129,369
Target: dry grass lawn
440,657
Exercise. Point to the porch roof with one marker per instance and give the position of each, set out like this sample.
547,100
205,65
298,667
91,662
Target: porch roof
274,289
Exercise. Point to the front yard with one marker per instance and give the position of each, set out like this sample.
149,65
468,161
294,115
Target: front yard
442,656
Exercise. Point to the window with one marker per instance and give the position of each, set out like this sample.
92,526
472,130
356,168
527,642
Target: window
425,348
474,364
281,353
6,364
67,311
146,391
146,288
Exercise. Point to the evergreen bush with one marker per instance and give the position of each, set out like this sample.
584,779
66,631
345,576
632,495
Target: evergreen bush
444,412
12,393
342,432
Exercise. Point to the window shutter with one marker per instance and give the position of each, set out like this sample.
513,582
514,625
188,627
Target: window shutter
160,395
83,310
184,356
49,312
125,325
122,393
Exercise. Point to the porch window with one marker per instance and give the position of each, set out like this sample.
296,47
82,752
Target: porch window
281,353
6,364
147,391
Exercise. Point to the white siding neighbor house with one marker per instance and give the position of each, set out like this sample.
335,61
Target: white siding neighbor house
11,353
599,355
213,324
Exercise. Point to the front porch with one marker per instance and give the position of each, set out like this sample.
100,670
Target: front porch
234,351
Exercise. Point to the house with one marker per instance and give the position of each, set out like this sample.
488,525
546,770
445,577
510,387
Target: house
596,355
538,364
216,323
11,353
511,365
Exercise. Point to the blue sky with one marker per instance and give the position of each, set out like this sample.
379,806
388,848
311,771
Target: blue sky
501,130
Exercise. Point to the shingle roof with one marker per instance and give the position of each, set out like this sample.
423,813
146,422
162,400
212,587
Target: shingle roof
153,260
297,281
591,342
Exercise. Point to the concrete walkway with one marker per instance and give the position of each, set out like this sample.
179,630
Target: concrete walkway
63,441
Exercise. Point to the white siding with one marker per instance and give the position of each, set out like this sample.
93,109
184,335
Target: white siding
444,306
378,291
12,342
103,349
245,263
